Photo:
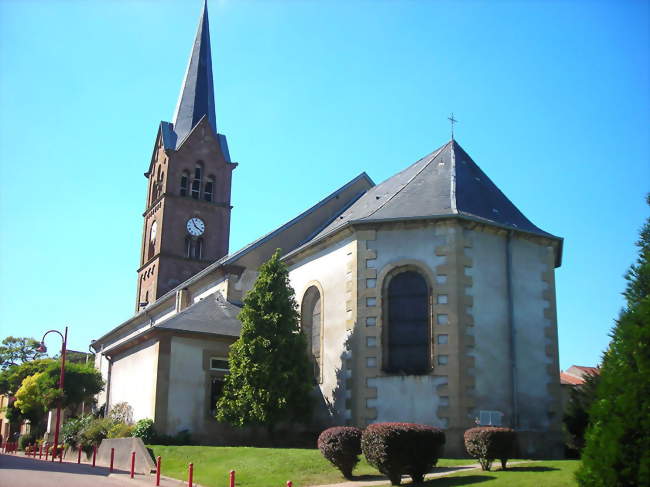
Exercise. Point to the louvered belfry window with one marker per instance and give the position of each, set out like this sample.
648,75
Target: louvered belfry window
408,324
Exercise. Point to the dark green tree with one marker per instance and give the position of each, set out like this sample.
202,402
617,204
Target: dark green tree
270,378
617,451
576,417
18,350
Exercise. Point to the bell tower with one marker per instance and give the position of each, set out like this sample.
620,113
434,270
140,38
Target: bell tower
187,211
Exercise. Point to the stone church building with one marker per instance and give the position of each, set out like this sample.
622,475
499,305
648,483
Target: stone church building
426,298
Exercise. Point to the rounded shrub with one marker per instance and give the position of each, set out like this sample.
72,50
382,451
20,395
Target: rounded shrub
487,443
341,445
402,448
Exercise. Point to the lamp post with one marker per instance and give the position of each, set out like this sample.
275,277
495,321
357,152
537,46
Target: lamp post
42,348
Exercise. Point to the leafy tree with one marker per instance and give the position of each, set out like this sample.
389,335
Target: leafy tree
617,451
18,350
40,393
576,417
270,374
12,377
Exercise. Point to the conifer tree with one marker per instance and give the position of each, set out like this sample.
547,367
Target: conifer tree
270,374
617,451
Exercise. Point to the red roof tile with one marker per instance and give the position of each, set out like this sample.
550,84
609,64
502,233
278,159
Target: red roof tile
570,379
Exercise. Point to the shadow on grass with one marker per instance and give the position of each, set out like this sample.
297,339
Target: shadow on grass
453,481
529,469
368,477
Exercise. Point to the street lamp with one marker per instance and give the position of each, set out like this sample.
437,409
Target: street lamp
42,348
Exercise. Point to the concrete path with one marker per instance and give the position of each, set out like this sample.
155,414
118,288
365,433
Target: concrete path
365,481
16,470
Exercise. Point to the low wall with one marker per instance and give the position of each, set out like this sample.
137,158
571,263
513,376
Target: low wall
123,447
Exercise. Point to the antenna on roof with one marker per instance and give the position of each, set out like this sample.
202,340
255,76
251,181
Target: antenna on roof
453,121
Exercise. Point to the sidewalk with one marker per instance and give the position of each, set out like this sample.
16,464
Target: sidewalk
19,470
440,472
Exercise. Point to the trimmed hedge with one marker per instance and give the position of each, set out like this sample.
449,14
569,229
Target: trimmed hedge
487,443
402,448
341,445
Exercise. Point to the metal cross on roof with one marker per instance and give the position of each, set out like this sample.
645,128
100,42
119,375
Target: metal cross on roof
453,121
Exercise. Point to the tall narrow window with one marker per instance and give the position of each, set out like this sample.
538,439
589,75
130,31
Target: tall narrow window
216,387
209,188
311,322
198,249
152,240
408,336
154,191
196,189
196,182
188,247
184,183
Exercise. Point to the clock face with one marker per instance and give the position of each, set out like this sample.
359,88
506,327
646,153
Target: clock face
195,226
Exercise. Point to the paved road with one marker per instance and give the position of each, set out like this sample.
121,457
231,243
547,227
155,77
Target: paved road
19,471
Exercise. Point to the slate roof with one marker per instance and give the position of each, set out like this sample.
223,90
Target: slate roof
446,182
214,315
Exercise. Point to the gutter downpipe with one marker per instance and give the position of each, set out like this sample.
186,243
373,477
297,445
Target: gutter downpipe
512,333
108,385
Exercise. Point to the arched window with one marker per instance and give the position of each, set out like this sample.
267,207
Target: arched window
407,326
209,189
196,182
311,323
185,178
154,190
152,240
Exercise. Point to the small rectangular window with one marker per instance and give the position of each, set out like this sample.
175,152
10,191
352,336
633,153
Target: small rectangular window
219,363
184,186
490,418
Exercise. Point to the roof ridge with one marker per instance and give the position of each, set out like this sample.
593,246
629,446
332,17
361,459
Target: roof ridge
433,155
452,178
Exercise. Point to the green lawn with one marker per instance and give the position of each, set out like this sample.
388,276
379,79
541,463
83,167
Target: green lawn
259,467
268,467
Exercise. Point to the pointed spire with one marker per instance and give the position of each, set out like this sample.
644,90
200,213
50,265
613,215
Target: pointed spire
196,99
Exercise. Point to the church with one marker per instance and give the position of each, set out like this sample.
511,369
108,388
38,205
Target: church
427,298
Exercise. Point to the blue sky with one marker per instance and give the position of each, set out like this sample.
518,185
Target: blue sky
553,100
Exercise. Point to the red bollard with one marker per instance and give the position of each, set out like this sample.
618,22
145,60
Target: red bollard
61,455
40,452
112,458
289,483
190,474
232,478
158,462
47,451
94,454
132,464
79,455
